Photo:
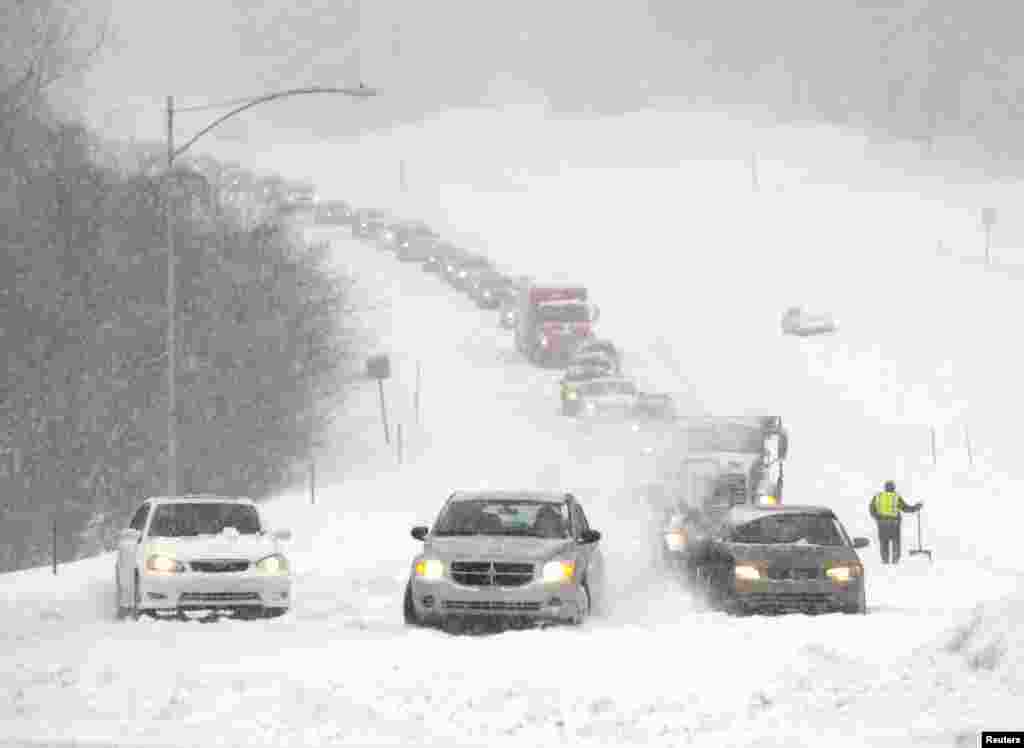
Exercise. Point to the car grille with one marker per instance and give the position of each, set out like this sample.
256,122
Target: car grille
792,600
491,574
499,606
786,574
219,597
215,566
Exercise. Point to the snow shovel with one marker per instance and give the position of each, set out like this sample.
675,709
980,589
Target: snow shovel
920,550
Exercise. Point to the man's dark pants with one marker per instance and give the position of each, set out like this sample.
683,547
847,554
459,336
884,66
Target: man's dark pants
889,540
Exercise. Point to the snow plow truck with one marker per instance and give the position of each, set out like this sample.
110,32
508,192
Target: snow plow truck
716,464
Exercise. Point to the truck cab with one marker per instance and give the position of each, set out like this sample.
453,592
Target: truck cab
553,321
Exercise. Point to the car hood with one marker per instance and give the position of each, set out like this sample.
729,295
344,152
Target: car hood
497,548
251,547
611,401
566,328
790,554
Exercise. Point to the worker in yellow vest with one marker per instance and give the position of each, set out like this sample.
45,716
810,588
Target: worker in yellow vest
887,508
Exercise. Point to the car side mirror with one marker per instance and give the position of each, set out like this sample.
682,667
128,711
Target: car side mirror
783,448
130,534
861,542
590,536
420,532
282,535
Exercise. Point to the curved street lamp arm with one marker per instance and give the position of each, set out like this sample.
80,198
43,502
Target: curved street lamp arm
360,92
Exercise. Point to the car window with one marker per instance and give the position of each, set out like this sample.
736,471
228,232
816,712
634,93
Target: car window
503,517
800,529
842,532
579,521
203,518
564,313
139,520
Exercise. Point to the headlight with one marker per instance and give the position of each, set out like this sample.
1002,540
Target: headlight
676,540
747,573
768,500
544,341
429,568
843,574
591,407
276,564
559,571
159,564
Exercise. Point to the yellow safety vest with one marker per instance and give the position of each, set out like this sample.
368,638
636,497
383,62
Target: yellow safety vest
887,504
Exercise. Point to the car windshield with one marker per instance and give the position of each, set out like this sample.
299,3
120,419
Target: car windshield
587,371
205,518
801,529
610,388
564,313
539,519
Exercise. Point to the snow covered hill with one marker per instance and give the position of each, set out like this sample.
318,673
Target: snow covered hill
669,255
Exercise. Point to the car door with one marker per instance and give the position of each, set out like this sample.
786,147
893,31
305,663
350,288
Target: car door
589,553
127,549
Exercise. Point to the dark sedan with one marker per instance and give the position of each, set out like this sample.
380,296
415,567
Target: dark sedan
781,559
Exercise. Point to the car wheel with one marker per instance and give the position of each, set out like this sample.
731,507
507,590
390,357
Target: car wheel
135,612
409,609
861,608
583,612
122,610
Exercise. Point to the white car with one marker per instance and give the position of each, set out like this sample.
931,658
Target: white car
201,553
798,322
615,397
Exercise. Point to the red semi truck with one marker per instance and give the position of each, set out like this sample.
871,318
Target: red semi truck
553,321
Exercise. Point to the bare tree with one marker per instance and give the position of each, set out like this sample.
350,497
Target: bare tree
44,41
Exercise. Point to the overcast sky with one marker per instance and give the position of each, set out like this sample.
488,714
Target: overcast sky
424,56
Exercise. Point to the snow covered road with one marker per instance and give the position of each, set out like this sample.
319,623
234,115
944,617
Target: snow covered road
341,669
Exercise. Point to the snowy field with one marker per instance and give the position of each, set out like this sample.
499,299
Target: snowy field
692,274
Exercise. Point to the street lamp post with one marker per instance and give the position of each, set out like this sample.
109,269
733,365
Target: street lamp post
172,301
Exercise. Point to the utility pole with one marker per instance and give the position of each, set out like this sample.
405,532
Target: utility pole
172,306
360,92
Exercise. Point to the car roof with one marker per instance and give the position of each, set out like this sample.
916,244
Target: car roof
200,498
610,380
590,357
750,512
597,344
552,497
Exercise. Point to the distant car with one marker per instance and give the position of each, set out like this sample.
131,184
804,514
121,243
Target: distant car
656,406
415,241
508,314
438,256
599,345
798,322
781,559
512,556
367,221
387,235
616,397
201,553
464,267
489,287
334,213
584,369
